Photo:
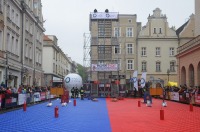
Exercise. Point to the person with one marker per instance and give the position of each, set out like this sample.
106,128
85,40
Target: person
76,92
81,92
72,92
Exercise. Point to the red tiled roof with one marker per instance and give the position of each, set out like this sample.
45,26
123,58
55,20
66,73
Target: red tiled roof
46,38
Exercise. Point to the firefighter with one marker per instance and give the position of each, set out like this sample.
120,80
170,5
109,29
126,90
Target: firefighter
73,92
76,92
81,92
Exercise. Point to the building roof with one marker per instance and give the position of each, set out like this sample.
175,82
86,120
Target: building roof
46,38
180,29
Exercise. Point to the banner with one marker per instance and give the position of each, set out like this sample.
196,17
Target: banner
135,80
36,96
21,99
143,79
104,15
104,67
42,95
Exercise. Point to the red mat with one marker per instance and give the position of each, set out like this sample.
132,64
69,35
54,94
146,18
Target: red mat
126,116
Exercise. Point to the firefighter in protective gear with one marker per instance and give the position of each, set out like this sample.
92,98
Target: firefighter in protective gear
81,92
73,92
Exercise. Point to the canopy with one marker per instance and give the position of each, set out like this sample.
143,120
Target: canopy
172,84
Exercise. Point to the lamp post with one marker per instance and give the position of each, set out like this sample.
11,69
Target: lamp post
168,73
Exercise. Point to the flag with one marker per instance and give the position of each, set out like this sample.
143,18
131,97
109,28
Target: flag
143,79
135,80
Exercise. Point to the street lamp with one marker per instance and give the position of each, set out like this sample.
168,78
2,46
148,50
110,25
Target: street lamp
168,73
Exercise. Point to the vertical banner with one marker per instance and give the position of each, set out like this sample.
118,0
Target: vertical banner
143,79
135,80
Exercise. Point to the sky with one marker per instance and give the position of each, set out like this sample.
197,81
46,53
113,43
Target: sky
68,20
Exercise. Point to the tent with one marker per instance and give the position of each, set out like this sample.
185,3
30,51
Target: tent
172,84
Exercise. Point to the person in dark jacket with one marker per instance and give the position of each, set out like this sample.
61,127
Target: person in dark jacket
81,93
73,92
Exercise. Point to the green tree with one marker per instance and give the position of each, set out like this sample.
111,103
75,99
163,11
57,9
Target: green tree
82,71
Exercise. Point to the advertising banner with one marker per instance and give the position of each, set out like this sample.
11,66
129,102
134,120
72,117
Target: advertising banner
42,95
197,99
104,67
104,15
36,97
21,99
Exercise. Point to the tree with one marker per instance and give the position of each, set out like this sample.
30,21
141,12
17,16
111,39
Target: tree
82,71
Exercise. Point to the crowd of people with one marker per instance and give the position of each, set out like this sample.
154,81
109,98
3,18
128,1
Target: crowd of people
22,89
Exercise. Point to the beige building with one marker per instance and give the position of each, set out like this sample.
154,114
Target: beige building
21,42
56,64
157,47
113,48
188,52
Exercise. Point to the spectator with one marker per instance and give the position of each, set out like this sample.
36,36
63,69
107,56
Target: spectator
8,91
19,89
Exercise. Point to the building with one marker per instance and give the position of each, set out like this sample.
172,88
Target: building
56,64
156,46
188,52
113,49
21,33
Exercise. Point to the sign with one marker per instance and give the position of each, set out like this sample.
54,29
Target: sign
21,99
117,76
36,96
104,15
104,67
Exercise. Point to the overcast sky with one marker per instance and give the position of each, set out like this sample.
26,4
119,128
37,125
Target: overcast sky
69,19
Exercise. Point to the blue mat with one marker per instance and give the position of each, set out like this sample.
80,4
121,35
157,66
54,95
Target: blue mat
86,116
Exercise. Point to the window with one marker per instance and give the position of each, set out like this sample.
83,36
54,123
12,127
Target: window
30,52
17,19
144,66
129,64
158,66
8,11
13,15
171,51
154,30
31,28
8,42
117,32
143,53
129,32
129,48
13,45
101,49
26,24
129,21
1,40
101,31
26,50
172,66
157,51
160,30
117,49
16,47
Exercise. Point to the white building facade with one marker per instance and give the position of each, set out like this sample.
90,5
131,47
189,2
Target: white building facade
157,45
21,42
